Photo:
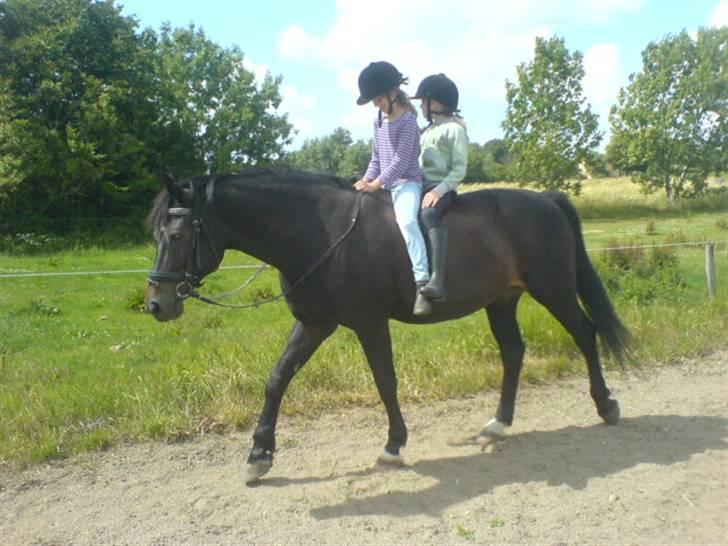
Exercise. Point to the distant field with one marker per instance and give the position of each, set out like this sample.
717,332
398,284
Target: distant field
81,367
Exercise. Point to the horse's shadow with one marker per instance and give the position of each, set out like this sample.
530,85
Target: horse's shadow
569,456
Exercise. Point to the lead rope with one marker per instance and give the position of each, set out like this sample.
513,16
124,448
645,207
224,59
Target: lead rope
309,271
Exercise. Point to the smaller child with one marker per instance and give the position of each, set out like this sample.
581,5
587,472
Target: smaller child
444,162
394,164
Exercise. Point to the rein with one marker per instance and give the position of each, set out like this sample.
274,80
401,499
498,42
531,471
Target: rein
191,279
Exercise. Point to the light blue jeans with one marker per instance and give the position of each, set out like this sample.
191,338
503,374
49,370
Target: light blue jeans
406,200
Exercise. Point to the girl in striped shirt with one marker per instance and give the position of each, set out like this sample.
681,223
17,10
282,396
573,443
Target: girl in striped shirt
394,164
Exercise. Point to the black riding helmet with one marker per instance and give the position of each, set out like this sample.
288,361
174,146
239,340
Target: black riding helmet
376,79
440,88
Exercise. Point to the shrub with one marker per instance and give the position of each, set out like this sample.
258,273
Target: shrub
634,275
650,228
135,300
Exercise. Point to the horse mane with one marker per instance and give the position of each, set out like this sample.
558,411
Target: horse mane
155,218
163,201
296,176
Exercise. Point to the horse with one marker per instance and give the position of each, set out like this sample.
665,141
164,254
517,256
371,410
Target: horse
342,262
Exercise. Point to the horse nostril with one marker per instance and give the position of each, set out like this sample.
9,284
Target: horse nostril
154,307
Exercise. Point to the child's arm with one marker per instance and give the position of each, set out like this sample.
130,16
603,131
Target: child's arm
458,163
374,168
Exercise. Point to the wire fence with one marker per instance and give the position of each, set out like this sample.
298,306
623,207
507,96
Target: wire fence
22,275
719,245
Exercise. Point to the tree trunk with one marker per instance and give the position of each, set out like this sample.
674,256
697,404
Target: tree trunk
670,189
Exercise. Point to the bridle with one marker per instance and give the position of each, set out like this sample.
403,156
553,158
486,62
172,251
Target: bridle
191,278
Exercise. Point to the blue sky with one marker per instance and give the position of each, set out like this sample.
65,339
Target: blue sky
319,47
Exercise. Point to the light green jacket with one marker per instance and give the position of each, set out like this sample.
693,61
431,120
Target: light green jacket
444,154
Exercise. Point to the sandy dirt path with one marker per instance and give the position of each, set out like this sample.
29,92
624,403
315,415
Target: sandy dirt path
659,477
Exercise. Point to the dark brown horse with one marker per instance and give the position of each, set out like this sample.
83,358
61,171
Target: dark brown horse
342,261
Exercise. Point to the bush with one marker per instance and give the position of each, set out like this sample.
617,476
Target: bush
640,277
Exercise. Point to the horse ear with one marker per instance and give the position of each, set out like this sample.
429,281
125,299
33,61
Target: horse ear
170,182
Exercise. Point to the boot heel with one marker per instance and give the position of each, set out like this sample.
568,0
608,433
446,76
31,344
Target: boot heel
422,305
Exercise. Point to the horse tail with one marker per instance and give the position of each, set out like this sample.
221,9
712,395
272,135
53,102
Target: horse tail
614,335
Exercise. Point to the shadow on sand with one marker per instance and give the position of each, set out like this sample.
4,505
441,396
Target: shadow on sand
569,456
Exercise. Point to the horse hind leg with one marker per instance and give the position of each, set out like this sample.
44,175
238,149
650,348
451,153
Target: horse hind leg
504,325
572,317
377,344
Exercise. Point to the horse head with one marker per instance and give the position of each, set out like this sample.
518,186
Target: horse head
186,249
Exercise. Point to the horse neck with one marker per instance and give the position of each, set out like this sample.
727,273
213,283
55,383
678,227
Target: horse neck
280,224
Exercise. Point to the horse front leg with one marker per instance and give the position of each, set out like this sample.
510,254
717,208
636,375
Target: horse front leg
377,344
504,325
302,343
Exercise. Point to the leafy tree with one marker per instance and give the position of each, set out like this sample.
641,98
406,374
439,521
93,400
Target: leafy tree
548,126
92,111
212,115
74,108
670,125
489,162
476,169
356,159
498,162
334,154
596,165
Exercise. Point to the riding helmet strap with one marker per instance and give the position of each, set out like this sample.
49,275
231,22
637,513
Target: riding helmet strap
389,109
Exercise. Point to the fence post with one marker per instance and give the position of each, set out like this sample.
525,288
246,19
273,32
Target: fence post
710,268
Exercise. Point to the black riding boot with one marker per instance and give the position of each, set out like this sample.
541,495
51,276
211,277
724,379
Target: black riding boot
434,290
422,305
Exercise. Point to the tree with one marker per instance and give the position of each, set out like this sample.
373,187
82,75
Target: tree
334,154
489,162
596,166
548,127
497,161
476,170
356,159
92,112
74,109
214,117
670,124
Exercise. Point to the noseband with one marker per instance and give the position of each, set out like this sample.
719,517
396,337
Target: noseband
191,278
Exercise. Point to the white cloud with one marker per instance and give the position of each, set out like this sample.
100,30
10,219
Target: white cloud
296,43
719,17
300,109
604,75
476,40
359,120
477,43
259,70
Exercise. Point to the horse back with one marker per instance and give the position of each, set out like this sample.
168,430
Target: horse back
501,242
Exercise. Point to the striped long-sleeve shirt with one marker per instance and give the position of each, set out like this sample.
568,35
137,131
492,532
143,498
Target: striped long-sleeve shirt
395,152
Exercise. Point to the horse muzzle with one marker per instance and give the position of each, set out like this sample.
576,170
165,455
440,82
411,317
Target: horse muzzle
162,301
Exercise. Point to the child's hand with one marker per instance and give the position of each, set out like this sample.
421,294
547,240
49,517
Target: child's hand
368,187
430,200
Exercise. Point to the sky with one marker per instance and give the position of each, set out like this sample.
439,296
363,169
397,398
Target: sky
319,47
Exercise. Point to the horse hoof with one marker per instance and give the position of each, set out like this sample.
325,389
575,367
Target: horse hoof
493,430
390,459
255,471
612,416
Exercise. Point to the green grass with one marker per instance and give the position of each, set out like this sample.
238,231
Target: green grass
82,368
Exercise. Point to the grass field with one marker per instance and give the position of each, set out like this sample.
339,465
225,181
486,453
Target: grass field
82,368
